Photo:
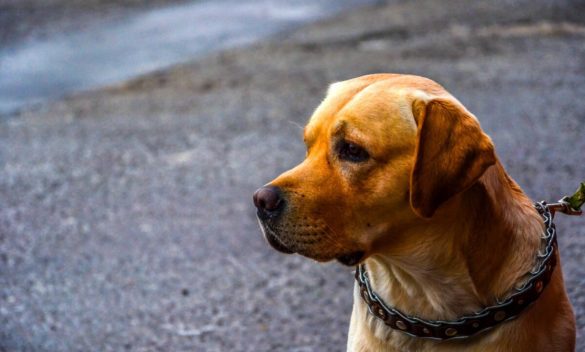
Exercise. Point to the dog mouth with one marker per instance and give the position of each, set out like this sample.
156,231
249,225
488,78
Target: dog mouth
272,240
351,259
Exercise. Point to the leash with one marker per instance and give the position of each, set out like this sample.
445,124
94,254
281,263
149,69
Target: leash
486,319
570,205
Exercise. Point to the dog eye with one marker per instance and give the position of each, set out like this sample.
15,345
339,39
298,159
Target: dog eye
352,152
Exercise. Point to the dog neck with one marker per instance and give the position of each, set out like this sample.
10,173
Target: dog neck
473,251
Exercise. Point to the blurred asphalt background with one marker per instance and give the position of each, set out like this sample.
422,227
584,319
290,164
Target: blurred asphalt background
126,220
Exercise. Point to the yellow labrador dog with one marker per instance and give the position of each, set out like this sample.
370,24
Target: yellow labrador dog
400,180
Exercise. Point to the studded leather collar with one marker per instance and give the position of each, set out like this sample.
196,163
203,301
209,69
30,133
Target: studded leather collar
472,324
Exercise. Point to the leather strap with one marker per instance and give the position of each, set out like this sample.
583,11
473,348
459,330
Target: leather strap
471,324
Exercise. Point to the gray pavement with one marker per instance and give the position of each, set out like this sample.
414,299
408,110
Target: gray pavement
126,220
28,20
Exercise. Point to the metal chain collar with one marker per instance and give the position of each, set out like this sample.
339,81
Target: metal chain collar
483,320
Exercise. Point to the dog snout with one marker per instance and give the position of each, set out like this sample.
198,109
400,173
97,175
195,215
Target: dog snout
269,201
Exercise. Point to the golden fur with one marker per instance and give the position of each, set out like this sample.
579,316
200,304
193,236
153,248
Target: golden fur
444,229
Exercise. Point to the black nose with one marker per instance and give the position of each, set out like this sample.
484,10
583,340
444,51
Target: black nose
269,201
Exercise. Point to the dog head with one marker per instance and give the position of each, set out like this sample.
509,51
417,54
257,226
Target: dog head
383,152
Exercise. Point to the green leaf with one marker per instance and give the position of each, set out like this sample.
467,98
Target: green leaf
577,199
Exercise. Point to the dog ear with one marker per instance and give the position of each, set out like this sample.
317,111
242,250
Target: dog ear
451,153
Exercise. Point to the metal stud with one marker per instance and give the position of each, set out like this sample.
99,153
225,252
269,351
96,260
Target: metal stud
381,313
520,302
500,315
538,286
401,325
475,325
450,332
426,331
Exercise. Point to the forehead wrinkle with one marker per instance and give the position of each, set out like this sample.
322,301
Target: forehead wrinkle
333,107
339,128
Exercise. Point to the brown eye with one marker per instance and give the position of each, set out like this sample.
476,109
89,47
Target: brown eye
352,152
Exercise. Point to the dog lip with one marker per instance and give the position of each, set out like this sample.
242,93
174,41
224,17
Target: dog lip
351,259
276,244
272,240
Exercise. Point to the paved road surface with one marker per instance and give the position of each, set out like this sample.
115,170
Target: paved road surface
126,220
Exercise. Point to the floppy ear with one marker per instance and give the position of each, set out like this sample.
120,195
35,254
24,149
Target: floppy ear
451,153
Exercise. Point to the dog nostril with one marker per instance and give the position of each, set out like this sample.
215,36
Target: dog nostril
267,198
